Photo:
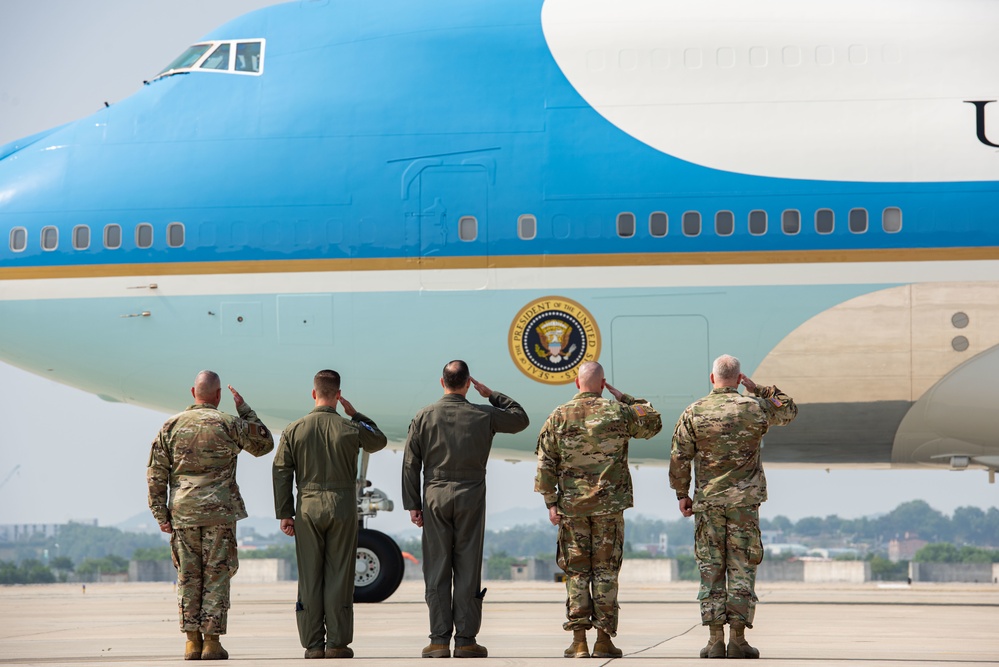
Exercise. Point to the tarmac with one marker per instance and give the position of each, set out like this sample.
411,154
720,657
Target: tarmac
796,624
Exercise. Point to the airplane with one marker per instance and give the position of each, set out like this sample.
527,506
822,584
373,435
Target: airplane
381,187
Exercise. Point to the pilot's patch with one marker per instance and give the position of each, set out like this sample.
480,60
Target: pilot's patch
550,337
367,426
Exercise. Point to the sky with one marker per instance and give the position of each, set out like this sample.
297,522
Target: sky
75,457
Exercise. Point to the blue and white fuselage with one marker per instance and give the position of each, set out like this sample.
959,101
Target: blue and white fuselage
380,187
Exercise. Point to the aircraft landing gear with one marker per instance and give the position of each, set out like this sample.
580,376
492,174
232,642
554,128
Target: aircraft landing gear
379,568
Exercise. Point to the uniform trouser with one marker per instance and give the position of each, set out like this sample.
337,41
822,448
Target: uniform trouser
590,549
454,522
727,545
326,549
206,560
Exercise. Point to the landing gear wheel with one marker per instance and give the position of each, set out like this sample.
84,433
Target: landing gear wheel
379,566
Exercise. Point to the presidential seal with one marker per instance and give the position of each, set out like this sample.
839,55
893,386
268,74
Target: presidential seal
551,337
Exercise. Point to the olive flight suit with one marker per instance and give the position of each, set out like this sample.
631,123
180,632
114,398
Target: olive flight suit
319,454
449,443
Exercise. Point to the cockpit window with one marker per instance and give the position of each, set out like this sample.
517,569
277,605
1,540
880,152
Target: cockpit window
219,58
216,56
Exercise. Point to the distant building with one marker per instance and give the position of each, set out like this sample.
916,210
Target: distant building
13,532
905,548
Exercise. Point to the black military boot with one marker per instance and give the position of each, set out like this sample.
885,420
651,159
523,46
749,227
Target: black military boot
738,647
715,647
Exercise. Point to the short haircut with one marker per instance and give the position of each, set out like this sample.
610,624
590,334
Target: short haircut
326,383
206,384
456,375
726,367
591,373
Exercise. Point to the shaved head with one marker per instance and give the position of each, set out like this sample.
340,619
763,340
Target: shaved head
590,377
207,388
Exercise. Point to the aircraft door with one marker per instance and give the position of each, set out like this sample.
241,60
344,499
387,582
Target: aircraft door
453,240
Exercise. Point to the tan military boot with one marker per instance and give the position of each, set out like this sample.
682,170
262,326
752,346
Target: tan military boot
604,647
192,650
738,647
715,647
578,647
212,650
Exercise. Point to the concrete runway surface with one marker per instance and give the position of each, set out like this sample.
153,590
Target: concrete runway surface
796,624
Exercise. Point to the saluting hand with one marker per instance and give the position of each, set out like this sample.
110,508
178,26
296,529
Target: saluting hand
485,391
347,407
747,383
236,397
614,392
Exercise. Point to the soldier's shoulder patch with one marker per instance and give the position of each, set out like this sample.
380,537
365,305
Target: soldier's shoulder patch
640,410
367,426
257,429
775,401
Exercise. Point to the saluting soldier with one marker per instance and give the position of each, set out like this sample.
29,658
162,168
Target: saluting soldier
584,478
194,458
720,436
449,443
318,454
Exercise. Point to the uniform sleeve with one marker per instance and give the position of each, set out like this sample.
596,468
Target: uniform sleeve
251,434
283,472
158,479
780,407
372,439
509,417
644,421
682,454
412,467
546,480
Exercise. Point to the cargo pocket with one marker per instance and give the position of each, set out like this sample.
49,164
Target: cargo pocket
173,550
754,550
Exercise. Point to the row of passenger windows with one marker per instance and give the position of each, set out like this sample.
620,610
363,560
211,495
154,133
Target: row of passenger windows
726,57
112,237
857,221
527,227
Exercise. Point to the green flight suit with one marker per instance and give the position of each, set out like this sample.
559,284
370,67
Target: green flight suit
319,454
449,443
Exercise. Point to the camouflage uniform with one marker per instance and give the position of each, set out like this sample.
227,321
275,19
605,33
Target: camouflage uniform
318,454
583,469
721,436
194,458
449,443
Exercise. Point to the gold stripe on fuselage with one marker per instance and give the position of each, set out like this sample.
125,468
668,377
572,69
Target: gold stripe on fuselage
501,262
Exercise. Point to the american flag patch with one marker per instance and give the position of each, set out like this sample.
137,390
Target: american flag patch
776,401
639,410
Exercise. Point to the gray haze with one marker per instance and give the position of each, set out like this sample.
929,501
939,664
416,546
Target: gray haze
82,458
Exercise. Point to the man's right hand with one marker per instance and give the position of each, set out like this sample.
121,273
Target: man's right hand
554,516
618,395
483,390
686,506
347,407
416,516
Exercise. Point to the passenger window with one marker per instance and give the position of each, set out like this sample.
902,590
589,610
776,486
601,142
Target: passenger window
527,227
790,221
50,238
626,225
219,58
724,223
112,237
658,224
144,235
248,57
825,221
757,223
175,234
691,223
18,239
81,237
857,220
891,219
468,228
